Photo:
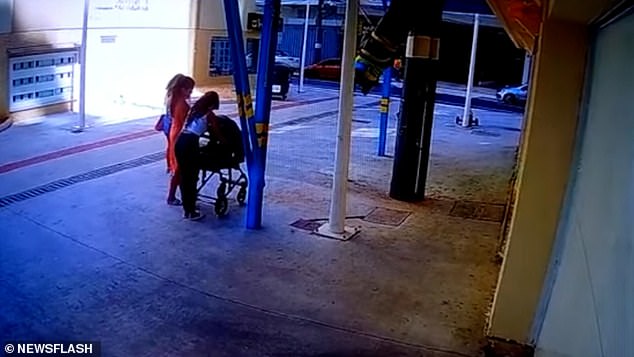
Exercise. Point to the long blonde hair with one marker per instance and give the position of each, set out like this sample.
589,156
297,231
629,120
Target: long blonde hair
179,81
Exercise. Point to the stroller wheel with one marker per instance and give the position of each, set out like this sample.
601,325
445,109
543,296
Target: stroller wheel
221,206
222,190
242,195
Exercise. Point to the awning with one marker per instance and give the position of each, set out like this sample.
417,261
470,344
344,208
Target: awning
521,20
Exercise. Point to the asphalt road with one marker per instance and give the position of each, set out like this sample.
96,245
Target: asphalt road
442,98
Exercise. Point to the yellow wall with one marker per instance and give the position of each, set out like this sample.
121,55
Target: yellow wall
212,13
545,161
201,58
212,22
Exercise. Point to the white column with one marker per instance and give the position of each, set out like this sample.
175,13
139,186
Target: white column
474,50
82,70
303,61
527,68
336,228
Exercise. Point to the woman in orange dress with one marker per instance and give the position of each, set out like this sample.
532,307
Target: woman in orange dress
169,88
178,109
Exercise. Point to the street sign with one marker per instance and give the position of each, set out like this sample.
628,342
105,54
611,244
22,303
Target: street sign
254,22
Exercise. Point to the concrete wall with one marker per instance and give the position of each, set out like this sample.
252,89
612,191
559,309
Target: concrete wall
6,16
545,159
6,24
36,15
132,52
591,309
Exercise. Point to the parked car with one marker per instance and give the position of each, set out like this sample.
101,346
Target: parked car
281,58
284,58
326,69
513,94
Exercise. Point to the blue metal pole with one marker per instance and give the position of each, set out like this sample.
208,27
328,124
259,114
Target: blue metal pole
241,78
385,110
384,107
266,62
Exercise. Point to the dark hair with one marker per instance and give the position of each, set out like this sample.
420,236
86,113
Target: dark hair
209,101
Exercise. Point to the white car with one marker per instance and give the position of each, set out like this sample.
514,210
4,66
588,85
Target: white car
513,95
282,58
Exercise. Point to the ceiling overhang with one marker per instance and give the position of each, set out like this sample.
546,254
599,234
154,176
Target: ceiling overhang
521,20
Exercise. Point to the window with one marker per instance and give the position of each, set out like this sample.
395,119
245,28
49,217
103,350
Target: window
42,79
220,62
45,78
45,63
22,81
45,93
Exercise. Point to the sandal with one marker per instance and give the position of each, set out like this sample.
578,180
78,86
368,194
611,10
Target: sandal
174,202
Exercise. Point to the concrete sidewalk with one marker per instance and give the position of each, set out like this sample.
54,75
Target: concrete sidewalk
101,257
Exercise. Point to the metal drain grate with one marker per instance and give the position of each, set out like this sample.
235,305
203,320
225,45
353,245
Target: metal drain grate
86,176
306,225
387,217
478,211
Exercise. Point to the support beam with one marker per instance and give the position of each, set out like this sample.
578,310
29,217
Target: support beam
384,108
413,140
467,119
241,82
81,126
266,64
528,62
319,32
335,228
557,85
304,43
385,104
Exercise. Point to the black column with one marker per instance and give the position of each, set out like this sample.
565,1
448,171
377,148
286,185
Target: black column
319,32
413,141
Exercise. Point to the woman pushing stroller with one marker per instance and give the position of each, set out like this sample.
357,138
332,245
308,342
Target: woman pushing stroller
201,118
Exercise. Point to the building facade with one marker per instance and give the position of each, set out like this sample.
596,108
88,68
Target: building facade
133,48
566,286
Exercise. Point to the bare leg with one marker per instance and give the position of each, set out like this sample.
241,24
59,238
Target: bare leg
174,183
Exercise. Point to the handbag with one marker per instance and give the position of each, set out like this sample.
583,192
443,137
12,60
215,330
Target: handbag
164,123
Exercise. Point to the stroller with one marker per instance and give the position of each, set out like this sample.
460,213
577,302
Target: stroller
223,159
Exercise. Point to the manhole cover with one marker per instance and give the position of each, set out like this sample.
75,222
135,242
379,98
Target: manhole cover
481,132
306,225
478,211
490,212
386,216
464,209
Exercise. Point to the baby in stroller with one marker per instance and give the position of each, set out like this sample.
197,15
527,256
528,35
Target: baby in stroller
221,154
223,151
